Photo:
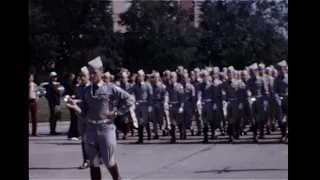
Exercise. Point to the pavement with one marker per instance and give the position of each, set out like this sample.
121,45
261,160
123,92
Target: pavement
55,157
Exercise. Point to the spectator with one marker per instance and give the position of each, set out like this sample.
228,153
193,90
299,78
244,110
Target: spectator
69,86
33,104
53,97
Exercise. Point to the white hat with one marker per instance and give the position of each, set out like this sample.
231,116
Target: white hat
185,71
261,66
166,72
173,74
52,74
282,63
107,74
244,72
231,69
196,70
268,68
96,63
209,69
124,74
156,74
205,73
192,72
141,72
254,66
180,68
85,71
224,69
185,75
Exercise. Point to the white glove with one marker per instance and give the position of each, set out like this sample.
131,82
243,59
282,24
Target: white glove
166,106
198,104
240,106
214,107
180,110
224,104
253,99
150,109
265,103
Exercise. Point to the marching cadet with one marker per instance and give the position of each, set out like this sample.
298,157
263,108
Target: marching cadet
133,78
223,86
179,71
206,98
166,119
234,105
107,77
166,77
270,125
267,81
281,94
142,92
245,112
189,105
158,90
258,99
218,112
125,118
195,81
80,92
173,104
97,107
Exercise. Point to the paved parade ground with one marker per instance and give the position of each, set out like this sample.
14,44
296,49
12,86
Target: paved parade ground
55,157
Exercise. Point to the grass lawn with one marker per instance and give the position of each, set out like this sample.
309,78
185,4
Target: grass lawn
43,111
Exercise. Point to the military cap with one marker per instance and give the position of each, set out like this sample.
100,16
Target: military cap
85,71
244,72
107,74
269,68
231,69
173,74
52,74
185,71
282,63
197,70
96,63
216,69
254,66
192,72
180,68
185,75
204,73
141,72
224,69
261,66
155,74
209,69
166,72
124,74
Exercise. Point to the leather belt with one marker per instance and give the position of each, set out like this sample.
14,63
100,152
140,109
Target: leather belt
99,121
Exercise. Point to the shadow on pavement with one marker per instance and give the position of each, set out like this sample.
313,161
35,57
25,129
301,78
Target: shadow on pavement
226,170
52,168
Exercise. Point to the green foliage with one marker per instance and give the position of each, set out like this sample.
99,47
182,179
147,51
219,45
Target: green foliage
159,34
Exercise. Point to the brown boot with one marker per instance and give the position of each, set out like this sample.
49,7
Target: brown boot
114,171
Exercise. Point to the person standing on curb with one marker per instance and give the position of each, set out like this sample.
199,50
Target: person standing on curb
33,104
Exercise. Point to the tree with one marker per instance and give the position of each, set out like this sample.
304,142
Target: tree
239,33
159,34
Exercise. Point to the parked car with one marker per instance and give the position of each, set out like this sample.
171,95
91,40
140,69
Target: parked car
42,88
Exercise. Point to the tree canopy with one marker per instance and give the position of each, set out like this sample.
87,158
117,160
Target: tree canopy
159,34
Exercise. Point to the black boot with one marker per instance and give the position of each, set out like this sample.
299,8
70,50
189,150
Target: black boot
125,130
283,128
131,128
213,129
148,131
85,163
173,133
140,134
261,130
230,132
205,134
181,133
255,129
95,173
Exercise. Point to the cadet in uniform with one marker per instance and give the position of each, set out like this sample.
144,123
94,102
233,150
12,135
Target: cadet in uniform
107,77
259,100
97,107
234,105
142,92
158,90
125,85
173,104
80,92
218,112
281,93
205,99
189,105
223,86
245,112
195,81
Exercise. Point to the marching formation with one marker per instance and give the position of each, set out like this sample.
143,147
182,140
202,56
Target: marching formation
209,99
